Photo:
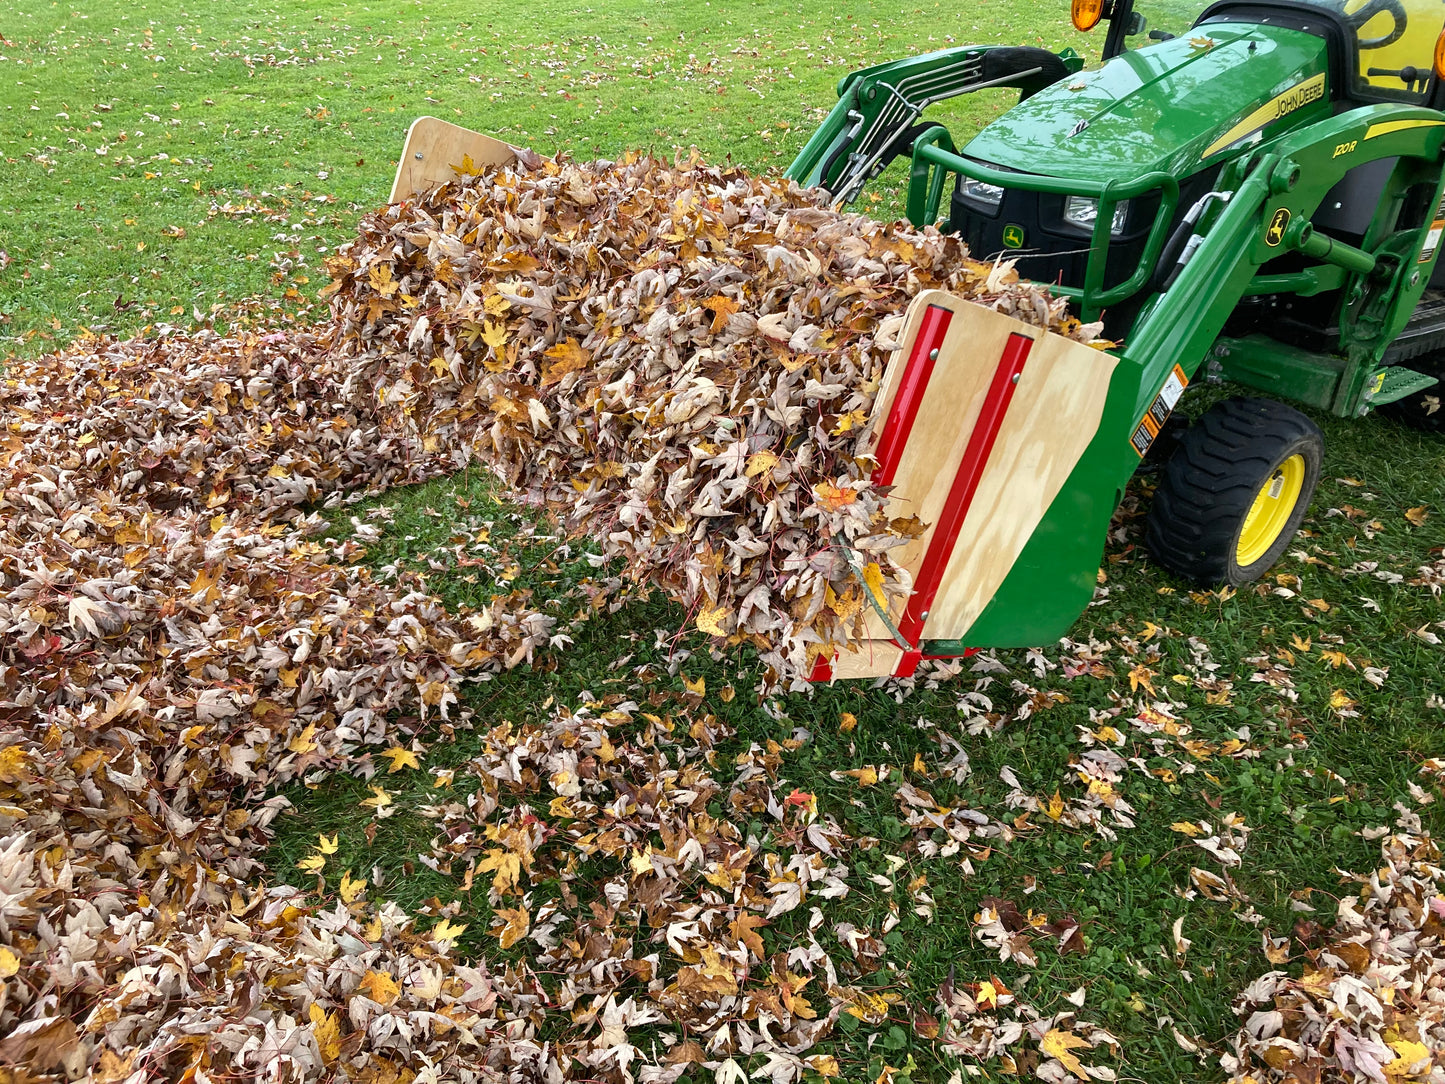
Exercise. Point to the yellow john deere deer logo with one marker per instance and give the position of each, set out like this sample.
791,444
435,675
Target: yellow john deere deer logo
1275,233
1013,236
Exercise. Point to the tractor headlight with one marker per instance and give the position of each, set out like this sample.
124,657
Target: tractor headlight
1082,211
989,195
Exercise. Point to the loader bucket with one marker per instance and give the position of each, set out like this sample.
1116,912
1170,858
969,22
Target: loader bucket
985,428
434,148
979,426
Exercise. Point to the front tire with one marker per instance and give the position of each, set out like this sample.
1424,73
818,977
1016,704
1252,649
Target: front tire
1234,492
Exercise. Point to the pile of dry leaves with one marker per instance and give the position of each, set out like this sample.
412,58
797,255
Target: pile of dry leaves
1369,1006
679,360
176,642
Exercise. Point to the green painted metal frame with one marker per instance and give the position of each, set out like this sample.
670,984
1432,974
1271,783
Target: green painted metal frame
1054,577
863,94
934,158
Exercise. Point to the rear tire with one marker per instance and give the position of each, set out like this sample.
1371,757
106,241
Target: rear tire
1423,410
1234,492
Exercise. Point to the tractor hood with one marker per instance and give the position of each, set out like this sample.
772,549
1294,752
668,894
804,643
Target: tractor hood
1172,106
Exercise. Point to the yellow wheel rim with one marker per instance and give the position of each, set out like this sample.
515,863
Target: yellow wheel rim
1269,514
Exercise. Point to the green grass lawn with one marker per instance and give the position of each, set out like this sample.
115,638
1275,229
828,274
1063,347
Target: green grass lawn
162,161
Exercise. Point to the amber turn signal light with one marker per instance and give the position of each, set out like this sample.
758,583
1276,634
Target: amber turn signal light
1087,13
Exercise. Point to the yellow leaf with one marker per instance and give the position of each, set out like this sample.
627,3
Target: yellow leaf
494,335
327,1029
987,995
1409,1054
760,463
302,743
400,758
560,807
507,866
849,421
446,930
745,929
844,605
513,925
1336,658
379,276
710,620
351,889
1184,827
380,987
328,846
205,580
873,577
641,861
1417,515
847,721
14,764
866,776
1339,700
312,863
825,1065
698,687
9,963
1055,808
381,798
1060,1044
1104,792
1141,675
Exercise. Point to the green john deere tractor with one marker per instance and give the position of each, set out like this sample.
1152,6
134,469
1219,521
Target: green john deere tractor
1253,196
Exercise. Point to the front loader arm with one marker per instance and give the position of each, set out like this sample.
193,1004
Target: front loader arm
877,108
1268,214
1180,325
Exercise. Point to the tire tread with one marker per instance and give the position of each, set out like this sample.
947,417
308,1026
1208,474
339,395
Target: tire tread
1209,483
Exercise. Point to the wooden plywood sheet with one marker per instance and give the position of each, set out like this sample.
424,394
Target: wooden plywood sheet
872,659
951,404
434,146
1054,414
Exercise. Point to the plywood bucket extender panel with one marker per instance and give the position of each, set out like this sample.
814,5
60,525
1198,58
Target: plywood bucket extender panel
434,147
979,423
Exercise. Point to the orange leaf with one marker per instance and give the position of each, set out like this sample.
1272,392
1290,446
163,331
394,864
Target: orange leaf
380,987
745,928
832,498
568,357
721,307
